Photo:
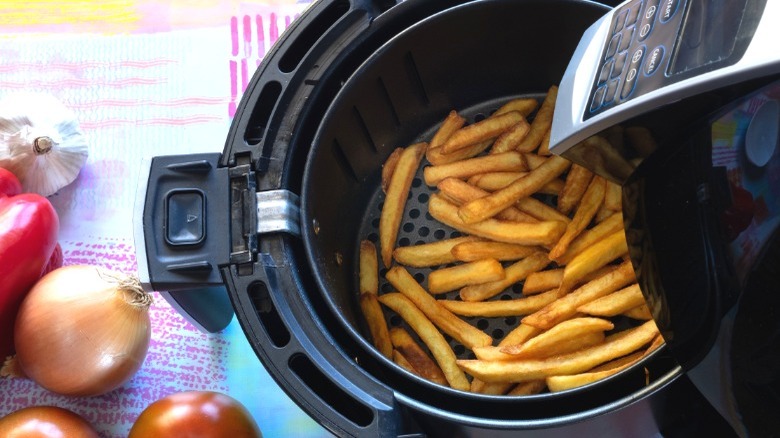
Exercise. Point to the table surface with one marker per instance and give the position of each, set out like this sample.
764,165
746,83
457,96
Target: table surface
145,78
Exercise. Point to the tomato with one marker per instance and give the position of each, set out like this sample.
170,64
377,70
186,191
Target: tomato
45,422
195,414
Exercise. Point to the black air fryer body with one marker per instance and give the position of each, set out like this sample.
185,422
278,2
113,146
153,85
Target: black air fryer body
297,185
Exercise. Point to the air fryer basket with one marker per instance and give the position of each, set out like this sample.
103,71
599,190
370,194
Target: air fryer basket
350,83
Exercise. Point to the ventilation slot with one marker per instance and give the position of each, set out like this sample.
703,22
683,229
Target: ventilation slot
261,114
343,162
414,78
363,128
269,317
331,394
311,33
389,102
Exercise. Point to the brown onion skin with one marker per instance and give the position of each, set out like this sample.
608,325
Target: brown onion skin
195,414
45,422
67,346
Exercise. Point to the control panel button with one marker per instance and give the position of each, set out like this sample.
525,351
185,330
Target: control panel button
184,217
633,13
668,9
654,60
633,68
625,42
612,47
620,63
648,19
598,98
620,19
612,87
606,70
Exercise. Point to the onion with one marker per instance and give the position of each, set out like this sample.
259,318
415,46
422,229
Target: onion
82,330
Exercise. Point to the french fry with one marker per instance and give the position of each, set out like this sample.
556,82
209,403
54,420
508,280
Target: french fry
577,182
593,258
401,361
484,249
524,106
541,123
540,233
389,167
430,254
590,236
420,362
518,335
488,128
540,210
534,160
613,198
395,199
513,273
528,388
571,363
430,336
493,181
511,138
459,329
461,192
542,281
501,308
641,312
564,337
587,208
451,123
619,362
566,307
615,303
508,161
464,274
487,207
436,157
544,147
377,326
368,269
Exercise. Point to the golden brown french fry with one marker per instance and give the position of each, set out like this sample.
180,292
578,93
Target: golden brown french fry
565,336
615,303
430,254
430,336
571,363
461,192
534,160
594,258
544,147
587,208
389,167
590,236
619,362
524,106
577,182
488,128
540,210
528,388
417,358
540,233
641,312
401,361
436,157
603,214
518,335
513,273
613,198
377,325
542,281
508,162
511,138
541,123
455,277
501,308
459,329
485,249
368,270
487,207
451,123
493,181
566,307
395,199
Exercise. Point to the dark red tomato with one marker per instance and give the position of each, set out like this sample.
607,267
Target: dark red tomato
45,422
195,414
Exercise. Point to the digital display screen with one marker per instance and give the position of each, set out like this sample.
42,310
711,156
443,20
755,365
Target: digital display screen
710,32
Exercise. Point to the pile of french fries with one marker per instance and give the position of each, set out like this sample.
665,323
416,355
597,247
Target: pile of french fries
527,218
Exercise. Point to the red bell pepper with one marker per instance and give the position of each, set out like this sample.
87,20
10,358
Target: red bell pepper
28,235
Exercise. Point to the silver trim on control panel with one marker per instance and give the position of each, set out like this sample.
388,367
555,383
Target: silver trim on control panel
138,224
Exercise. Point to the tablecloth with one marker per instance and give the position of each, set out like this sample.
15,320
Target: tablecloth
145,78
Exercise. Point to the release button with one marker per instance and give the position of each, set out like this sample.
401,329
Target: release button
184,217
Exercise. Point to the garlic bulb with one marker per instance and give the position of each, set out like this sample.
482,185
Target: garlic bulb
40,142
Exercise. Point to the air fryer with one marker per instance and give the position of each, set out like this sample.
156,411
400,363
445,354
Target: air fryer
276,218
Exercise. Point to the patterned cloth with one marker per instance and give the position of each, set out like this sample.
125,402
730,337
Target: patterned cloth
145,78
